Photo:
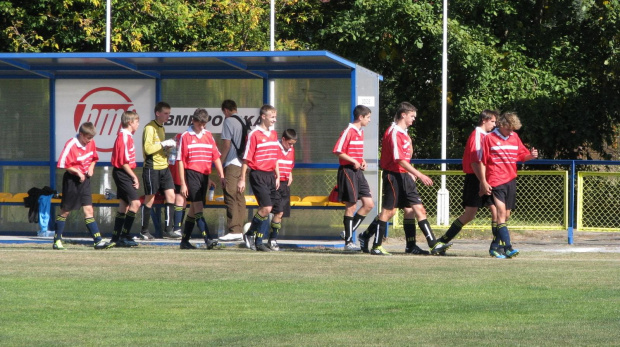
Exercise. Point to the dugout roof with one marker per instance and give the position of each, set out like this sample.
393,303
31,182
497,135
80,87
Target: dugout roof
161,65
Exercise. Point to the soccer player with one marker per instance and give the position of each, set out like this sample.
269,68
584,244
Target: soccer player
282,205
78,158
399,188
156,174
352,185
261,155
127,184
180,201
474,174
502,149
197,153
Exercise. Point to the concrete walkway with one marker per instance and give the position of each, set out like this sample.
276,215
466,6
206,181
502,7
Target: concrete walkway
594,242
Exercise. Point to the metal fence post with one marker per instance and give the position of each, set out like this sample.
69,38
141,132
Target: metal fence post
571,215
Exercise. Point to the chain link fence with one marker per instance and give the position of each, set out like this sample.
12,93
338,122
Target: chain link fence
542,201
597,197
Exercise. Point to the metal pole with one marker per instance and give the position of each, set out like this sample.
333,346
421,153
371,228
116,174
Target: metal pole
108,24
273,26
571,199
443,198
272,46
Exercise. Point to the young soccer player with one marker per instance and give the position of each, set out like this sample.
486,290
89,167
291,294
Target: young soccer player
502,149
197,153
156,174
78,158
352,185
399,188
474,174
282,205
179,200
261,155
127,184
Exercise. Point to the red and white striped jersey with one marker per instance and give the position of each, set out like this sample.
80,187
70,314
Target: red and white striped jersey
197,151
261,152
124,151
473,149
350,142
174,169
78,156
395,146
286,162
500,156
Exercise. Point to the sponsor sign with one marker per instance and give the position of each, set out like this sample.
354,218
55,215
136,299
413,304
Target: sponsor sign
180,119
102,102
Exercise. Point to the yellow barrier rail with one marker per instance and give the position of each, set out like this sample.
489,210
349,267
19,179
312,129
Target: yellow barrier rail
542,201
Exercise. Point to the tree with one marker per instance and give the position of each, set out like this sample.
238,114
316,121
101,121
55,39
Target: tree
554,62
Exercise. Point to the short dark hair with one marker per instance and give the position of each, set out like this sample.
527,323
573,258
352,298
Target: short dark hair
486,115
289,134
361,110
229,105
404,107
161,105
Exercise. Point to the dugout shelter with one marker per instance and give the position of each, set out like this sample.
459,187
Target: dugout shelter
44,97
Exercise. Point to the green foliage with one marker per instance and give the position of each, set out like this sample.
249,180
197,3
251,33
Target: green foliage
139,26
555,63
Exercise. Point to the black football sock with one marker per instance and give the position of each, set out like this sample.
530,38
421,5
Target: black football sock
357,220
454,229
146,218
428,232
119,220
189,226
378,240
348,228
409,226
129,219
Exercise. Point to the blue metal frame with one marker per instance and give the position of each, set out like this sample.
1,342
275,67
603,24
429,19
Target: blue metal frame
572,176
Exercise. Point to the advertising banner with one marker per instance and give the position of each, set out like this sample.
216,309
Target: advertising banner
102,102
180,119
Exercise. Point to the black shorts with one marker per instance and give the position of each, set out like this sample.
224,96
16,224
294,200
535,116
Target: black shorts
75,194
399,190
263,185
197,185
177,189
156,180
352,184
507,193
471,190
124,186
283,200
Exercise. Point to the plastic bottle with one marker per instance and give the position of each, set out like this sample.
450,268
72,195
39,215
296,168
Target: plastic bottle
211,193
172,157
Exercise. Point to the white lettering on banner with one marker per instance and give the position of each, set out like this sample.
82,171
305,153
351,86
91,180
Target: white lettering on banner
102,102
181,118
368,101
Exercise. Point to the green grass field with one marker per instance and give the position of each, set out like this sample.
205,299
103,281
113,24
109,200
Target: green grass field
163,296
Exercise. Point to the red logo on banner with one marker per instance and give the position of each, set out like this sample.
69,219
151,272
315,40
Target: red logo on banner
103,107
